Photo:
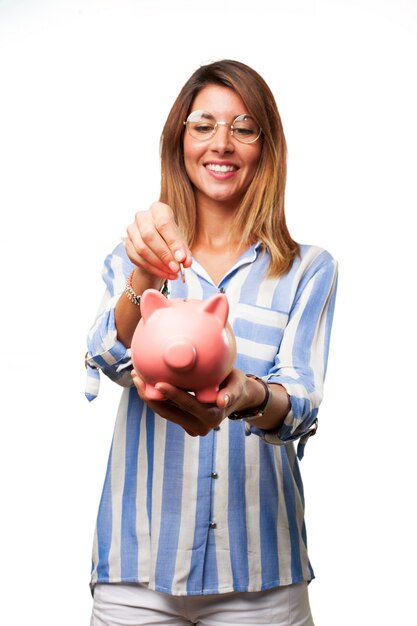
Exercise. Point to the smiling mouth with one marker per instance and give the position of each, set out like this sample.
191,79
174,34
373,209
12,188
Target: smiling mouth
213,167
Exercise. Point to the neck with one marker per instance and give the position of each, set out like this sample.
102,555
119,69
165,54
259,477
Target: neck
215,240
215,224
217,253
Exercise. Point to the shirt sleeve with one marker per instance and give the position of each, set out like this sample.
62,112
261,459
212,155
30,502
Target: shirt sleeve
300,365
105,351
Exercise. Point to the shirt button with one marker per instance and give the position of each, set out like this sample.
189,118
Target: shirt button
222,290
216,428
214,475
213,525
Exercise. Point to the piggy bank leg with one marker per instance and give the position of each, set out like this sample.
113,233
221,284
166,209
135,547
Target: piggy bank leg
152,393
207,395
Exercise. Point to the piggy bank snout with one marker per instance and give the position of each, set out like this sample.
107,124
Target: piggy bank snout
180,355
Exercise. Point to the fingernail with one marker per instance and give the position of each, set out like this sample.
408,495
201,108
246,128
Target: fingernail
160,389
173,266
226,400
179,255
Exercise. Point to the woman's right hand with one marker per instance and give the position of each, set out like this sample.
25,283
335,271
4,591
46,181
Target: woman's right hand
154,243
156,247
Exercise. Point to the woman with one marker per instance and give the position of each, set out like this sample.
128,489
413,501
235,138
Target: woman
204,503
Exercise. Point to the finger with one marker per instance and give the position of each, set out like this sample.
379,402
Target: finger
151,236
149,245
203,416
159,270
141,248
165,223
165,408
184,400
231,389
174,414
223,400
139,383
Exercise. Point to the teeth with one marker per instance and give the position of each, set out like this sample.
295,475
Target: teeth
220,168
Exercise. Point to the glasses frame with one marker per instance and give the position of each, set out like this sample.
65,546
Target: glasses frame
221,123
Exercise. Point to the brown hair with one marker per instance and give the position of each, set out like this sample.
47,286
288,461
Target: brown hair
261,215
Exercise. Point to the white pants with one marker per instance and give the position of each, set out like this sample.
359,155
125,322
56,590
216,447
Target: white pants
136,605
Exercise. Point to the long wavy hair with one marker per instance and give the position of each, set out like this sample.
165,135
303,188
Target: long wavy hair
261,214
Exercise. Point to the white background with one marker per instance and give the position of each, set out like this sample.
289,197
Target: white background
85,87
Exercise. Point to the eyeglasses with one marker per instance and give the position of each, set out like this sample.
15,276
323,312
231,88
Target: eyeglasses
202,126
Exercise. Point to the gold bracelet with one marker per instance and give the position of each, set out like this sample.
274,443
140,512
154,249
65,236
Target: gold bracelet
134,297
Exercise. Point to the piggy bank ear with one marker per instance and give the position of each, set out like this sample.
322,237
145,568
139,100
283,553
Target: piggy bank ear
152,300
217,305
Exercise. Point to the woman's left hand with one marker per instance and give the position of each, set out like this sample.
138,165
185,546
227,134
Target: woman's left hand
197,418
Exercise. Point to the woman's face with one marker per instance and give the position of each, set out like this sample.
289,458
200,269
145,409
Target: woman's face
220,168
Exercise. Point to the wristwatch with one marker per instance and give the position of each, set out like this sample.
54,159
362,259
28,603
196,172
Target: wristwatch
254,411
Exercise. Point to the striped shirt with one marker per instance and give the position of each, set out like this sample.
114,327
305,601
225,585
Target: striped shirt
224,512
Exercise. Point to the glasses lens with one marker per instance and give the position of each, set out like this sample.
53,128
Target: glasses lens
245,129
201,125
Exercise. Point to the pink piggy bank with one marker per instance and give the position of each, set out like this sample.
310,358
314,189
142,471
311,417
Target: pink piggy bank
187,343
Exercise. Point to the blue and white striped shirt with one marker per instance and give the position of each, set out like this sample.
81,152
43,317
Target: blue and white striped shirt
224,512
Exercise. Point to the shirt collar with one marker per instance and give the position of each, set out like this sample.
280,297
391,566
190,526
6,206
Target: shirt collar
249,256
